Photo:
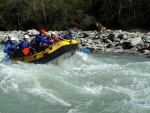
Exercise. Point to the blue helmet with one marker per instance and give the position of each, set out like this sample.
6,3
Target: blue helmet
71,32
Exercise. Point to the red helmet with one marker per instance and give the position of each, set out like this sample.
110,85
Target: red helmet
42,31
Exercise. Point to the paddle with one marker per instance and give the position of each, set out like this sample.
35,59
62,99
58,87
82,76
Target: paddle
6,58
25,51
85,50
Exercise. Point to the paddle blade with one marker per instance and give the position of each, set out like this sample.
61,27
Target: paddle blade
25,51
85,50
5,59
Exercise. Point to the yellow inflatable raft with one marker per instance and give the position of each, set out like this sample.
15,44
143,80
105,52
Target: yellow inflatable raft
60,50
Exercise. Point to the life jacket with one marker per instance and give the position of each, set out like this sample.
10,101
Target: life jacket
56,39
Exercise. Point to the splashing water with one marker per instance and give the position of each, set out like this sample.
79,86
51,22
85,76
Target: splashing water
96,83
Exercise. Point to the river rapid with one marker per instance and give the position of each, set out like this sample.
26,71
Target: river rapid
95,83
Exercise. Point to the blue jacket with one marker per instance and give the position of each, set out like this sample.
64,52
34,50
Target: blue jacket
66,36
51,40
11,47
24,44
39,41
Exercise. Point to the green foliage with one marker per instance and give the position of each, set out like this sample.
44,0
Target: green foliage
65,14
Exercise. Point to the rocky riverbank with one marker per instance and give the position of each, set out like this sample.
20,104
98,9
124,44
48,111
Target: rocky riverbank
107,41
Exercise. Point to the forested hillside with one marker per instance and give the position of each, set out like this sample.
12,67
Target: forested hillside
83,14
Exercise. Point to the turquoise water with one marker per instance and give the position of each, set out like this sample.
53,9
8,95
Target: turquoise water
96,83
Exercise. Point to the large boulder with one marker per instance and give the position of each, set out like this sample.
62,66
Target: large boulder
135,41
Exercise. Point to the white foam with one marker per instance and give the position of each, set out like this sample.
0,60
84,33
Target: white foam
47,95
93,90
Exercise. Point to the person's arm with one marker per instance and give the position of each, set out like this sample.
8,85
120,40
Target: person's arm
62,37
8,41
45,41
7,49
42,39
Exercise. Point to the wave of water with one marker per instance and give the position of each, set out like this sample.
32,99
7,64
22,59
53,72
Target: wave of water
96,83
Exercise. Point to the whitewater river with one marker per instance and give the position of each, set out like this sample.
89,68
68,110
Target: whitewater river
96,83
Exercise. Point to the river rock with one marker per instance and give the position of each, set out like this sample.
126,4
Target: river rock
117,41
135,41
